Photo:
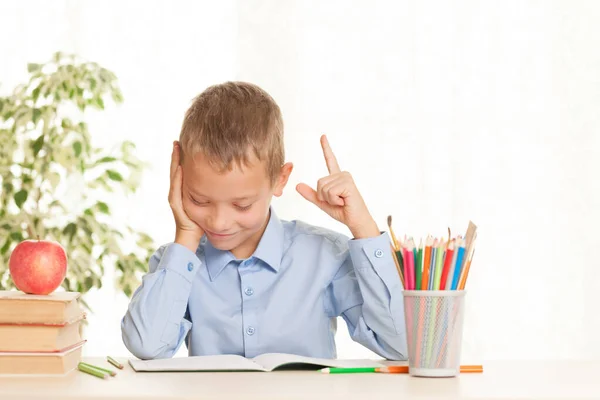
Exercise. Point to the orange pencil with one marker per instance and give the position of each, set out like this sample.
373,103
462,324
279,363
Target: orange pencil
425,279
403,369
465,273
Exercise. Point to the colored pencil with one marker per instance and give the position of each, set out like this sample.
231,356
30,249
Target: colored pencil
439,255
450,276
114,362
458,266
92,371
465,274
403,369
446,268
426,262
106,371
394,239
432,264
394,256
347,370
419,266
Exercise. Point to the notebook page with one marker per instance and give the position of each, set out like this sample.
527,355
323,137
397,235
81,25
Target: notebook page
197,363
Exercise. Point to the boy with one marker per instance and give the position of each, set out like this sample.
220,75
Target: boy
237,280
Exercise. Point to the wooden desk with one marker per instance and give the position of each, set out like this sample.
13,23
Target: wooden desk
500,380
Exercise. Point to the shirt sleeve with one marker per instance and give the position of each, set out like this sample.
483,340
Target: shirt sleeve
366,291
154,325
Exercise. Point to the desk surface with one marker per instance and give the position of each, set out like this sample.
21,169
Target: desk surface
500,380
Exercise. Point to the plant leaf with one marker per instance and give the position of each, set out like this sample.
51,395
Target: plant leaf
36,93
6,246
105,160
103,207
16,236
77,148
38,144
20,197
114,175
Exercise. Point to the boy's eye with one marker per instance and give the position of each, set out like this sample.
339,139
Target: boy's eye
196,202
243,208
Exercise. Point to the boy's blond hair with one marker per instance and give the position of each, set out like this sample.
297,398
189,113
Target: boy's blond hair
230,121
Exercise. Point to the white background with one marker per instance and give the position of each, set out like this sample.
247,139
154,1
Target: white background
442,111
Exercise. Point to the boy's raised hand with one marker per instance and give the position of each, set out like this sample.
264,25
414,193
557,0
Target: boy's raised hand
339,197
187,232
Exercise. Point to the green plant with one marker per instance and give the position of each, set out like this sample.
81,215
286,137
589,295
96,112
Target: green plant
45,147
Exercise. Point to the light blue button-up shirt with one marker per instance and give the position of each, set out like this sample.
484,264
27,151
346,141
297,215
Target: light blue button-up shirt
283,299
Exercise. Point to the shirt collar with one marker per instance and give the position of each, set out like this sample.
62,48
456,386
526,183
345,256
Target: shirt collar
269,249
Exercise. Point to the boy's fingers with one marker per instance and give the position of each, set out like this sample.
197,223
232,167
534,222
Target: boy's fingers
333,192
330,160
175,193
311,195
174,159
308,193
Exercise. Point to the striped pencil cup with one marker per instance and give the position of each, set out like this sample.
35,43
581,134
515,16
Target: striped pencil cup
434,324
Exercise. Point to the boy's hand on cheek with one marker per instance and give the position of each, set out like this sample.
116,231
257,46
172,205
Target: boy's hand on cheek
339,197
187,232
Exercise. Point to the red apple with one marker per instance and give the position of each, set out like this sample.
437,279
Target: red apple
38,266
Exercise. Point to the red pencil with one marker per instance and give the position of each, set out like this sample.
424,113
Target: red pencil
447,262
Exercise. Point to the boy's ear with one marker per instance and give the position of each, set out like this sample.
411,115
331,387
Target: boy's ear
282,180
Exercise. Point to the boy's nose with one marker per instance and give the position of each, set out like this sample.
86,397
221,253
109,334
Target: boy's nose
219,223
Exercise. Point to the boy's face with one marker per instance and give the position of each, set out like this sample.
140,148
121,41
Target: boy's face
231,206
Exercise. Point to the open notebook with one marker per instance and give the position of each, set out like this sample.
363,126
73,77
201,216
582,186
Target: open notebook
265,362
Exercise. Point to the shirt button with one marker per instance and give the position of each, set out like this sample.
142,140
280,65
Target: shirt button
378,253
246,263
250,330
190,266
249,291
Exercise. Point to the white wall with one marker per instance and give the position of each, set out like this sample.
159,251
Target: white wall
443,112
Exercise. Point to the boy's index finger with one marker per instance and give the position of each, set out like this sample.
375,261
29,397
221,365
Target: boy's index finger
330,160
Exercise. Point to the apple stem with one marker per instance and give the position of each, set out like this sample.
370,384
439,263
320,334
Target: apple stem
38,237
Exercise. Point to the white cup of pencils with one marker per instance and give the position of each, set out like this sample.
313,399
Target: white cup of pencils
434,276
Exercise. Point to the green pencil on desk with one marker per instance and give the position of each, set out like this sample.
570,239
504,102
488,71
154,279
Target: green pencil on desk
83,367
106,371
347,370
114,362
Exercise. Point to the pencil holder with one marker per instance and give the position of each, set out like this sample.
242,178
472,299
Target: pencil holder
434,325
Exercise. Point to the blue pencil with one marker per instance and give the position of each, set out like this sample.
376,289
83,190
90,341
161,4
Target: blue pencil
457,268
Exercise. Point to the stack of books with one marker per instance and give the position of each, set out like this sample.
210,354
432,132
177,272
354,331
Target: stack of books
40,334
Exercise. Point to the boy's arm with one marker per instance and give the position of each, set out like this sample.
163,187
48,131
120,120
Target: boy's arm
366,291
154,325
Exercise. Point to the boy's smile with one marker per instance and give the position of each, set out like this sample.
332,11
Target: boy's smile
231,206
